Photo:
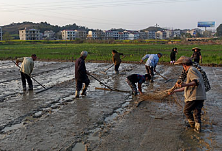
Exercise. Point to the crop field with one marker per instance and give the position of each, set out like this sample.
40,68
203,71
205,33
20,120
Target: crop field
211,54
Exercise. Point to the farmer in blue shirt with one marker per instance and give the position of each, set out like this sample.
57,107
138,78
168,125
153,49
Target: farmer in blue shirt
151,63
137,78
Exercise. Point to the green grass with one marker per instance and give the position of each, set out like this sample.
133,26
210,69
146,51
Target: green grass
102,52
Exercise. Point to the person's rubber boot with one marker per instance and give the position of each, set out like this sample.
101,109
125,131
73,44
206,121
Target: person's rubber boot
197,127
77,94
191,123
117,72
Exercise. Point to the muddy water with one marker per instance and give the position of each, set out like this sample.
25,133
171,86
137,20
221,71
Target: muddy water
53,119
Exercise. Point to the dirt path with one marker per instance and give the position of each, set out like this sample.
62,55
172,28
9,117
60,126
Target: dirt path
103,120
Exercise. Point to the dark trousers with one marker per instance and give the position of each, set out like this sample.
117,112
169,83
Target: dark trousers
80,82
132,85
24,78
192,110
117,67
149,70
197,60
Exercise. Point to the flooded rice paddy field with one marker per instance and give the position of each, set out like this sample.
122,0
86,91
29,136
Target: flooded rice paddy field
52,119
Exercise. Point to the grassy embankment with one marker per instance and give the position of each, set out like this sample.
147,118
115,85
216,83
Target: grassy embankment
212,54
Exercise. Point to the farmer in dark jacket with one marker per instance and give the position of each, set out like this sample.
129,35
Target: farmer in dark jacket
137,78
173,55
81,74
116,60
196,55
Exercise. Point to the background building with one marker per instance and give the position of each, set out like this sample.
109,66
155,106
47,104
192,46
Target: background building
29,34
50,35
69,35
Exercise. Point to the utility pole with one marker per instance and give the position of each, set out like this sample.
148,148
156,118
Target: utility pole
156,25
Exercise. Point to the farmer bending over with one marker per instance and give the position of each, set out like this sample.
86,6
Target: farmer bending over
151,63
26,70
137,78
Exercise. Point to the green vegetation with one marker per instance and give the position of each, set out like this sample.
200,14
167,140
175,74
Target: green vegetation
212,54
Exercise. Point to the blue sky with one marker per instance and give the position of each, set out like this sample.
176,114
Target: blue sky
107,14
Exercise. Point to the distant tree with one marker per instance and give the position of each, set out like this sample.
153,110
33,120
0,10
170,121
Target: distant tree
219,31
198,34
188,35
6,36
119,29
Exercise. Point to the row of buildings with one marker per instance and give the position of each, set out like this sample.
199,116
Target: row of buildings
35,34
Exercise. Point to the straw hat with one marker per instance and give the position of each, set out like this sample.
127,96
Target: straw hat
196,48
183,60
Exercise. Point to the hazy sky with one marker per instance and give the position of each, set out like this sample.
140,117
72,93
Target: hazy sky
107,14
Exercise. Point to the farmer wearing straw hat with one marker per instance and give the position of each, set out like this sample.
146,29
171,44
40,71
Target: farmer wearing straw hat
81,74
26,70
194,93
196,55
151,63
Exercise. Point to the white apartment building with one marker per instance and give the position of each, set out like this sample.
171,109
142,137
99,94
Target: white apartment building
151,35
169,34
123,35
73,34
69,34
134,36
108,34
98,34
29,34
161,34
176,33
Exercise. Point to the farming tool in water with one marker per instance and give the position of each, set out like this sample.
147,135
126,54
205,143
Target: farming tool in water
112,90
160,95
101,82
104,72
30,76
108,87
163,77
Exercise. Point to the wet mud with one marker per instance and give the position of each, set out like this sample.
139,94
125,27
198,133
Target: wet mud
53,119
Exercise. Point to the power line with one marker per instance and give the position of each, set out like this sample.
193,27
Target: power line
27,8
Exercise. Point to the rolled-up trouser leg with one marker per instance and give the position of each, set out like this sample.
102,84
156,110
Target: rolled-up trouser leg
133,86
188,108
197,111
195,107
86,84
150,71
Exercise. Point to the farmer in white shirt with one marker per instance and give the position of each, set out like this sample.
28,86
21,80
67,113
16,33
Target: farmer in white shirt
26,70
151,63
